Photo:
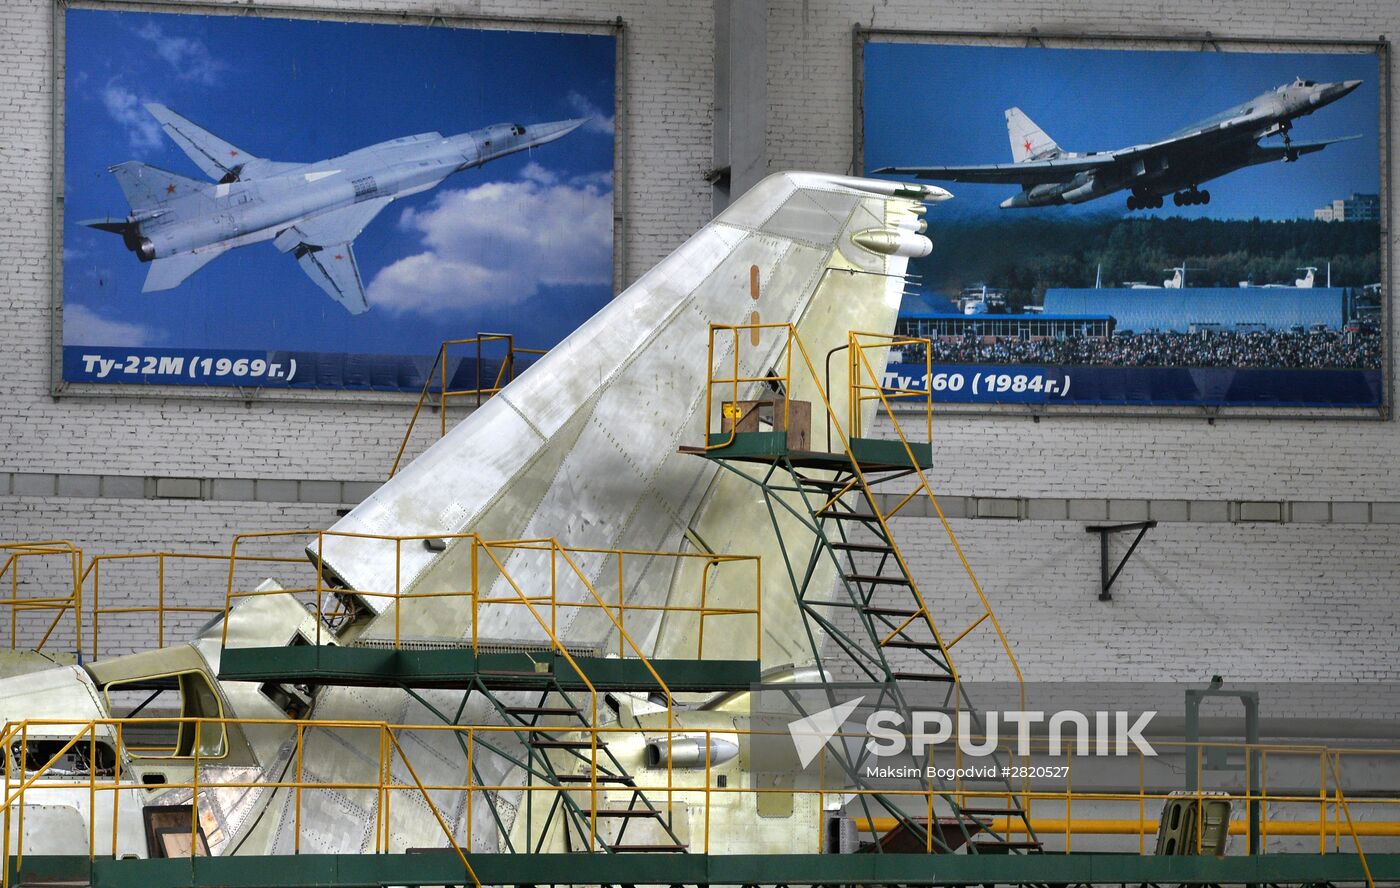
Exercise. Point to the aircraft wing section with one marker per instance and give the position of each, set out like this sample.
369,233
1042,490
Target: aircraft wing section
1278,152
220,160
334,270
171,271
1030,172
321,245
337,226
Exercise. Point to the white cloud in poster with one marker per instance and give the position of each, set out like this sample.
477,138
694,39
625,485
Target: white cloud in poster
187,57
499,244
143,133
83,326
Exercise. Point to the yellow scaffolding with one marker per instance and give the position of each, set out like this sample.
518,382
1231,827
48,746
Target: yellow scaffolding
483,390
700,788
68,602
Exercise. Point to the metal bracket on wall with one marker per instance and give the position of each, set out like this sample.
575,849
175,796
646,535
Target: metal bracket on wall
1103,530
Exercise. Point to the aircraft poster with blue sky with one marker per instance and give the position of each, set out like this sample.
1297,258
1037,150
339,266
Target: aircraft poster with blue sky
276,202
1138,227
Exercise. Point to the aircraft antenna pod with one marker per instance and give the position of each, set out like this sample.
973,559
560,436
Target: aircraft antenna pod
893,242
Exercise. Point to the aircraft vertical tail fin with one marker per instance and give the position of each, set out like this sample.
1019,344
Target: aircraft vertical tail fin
147,187
1028,141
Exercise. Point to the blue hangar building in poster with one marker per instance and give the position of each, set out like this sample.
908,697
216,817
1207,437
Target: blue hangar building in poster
1249,346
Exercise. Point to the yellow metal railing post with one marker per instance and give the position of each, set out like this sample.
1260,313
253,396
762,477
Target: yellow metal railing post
428,799
9,767
442,390
476,590
320,576
301,737
92,792
398,588
194,793
1334,760
96,569
160,601
116,783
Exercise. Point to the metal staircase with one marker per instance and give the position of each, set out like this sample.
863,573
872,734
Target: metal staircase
878,623
601,771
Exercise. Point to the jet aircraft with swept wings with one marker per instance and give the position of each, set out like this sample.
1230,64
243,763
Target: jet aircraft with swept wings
312,210
1175,165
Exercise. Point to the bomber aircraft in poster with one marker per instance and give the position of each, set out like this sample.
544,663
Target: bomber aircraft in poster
312,210
1176,165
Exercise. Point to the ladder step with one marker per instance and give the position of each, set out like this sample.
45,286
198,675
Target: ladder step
551,743
586,779
626,812
847,516
921,676
998,845
825,484
879,548
543,710
871,578
890,611
992,812
906,644
649,848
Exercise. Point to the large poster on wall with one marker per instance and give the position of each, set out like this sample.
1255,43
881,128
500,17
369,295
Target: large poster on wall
1155,228
269,202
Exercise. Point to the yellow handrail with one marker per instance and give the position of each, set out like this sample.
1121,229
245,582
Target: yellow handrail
92,579
21,782
70,603
1333,759
402,592
504,375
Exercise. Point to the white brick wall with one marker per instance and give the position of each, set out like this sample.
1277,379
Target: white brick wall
1253,603
1302,601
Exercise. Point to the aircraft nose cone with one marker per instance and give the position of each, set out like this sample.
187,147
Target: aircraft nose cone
548,132
1334,91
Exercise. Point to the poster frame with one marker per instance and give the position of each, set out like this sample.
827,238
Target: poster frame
420,15
1207,41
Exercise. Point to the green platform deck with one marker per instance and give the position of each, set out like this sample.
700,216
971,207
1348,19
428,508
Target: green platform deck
460,668
873,454
355,870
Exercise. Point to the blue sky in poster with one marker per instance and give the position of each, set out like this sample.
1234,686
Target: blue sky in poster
521,245
930,104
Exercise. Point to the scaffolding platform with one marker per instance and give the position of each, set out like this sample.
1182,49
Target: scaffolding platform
461,668
873,454
433,868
